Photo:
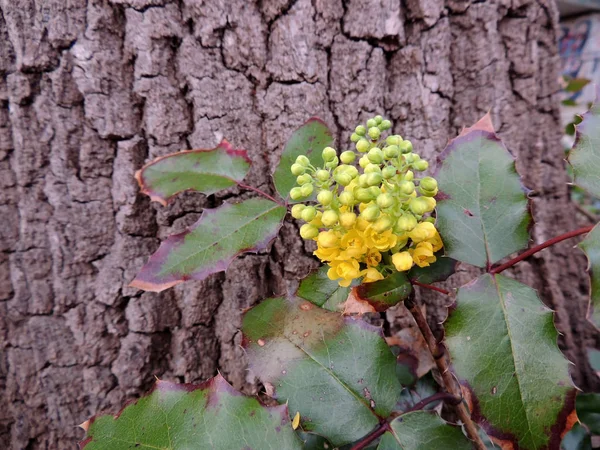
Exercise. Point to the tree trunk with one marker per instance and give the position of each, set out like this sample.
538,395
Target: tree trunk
91,89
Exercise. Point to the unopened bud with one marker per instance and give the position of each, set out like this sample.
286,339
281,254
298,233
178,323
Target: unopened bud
296,192
406,187
385,201
371,123
355,137
322,175
306,190
327,239
372,168
375,191
333,163
391,151
309,231
343,178
375,155
420,165
302,160
363,195
360,130
364,161
393,140
418,206
297,169
370,213
363,180
374,133
383,223
385,125
427,193
428,183
347,157
405,146
347,219
329,218
409,175
304,179
297,211
378,119
374,179
346,198
406,223
388,172
363,145
328,154
324,197
309,213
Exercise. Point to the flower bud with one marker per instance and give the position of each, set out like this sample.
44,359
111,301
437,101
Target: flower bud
346,198
420,165
328,154
371,123
302,160
391,151
363,145
428,183
370,213
297,169
374,133
364,161
350,170
405,223
343,178
327,239
330,218
378,119
431,203
296,192
388,172
306,190
355,137
317,220
409,175
309,231
363,195
418,206
406,187
374,179
309,213
322,175
405,146
363,180
297,211
375,155
324,197
304,179
375,191
347,219
333,163
393,140
372,168
385,201
402,261
347,157
360,130
383,223
385,125
427,193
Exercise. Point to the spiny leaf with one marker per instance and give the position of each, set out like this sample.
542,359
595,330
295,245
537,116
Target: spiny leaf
440,270
591,246
584,157
206,171
422,430
482,213
503,346
384,294
186,416
211,243
310,140
423,388
317,288
337,371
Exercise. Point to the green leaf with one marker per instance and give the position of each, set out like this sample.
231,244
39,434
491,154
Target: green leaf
312,441
317,288
206,171
576,84
186,416
211,243
423,388
422,430
588,411
577,439
440,270
584,157
594,358
569,102
591,246
502,343
482,213
336,371
384,294
310,140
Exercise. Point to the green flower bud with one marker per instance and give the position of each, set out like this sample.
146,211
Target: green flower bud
378,119
351,170
347,219
418,206
333,163
297,169
347,157
375,191
328,154
304,179
309,231
329,218
364,161
407,187
296,192
306,190
324,197
370,213
405,146
371,123
393,140
374,133
360,130
363,180
363,195
383,223
430,220
409,175
385,201
391,151
385,125
428,183
363,145
420,165
343,178
388,172
410,158
355,137
346,198
302,160
374,179
372,168
405,223
375,155
309,213
427,193
297,211
322,175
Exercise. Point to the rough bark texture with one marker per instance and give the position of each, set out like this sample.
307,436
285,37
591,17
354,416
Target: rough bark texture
91,89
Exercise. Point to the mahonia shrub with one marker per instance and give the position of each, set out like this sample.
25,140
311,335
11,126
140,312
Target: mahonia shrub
381,226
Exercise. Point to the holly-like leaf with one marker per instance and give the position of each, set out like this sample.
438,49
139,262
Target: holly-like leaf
336,371
317,288
423,388
310,140
584,157
211,243
440,270
591,246
206,171
186,416
482,212
576,84
422,430
577,439
312,441
384,294
502,343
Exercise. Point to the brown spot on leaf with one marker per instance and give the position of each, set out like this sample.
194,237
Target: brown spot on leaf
306,306
468,213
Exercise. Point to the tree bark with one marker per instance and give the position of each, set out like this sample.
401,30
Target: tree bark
92,89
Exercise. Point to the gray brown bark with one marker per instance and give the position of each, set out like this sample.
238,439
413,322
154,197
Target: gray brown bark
91,89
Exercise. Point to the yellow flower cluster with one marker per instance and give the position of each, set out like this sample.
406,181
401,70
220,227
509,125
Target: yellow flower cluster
372,223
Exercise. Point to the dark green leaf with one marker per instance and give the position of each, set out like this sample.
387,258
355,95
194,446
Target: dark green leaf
336,371
211,243
569,102
310,140
312,441
423,388
502,342
186,416
384,294
576,84
440,270
206,171
320,290
591,246
585,154
482,213
577,439
588,411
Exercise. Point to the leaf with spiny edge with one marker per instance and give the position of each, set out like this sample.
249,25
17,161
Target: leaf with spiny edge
336,371
591,246
438,271
317,288
503,346
482,211
309,140
207,171
186,416
211,244
384,294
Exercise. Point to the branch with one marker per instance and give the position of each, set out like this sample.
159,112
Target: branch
381,429
264,194
537,248
428,286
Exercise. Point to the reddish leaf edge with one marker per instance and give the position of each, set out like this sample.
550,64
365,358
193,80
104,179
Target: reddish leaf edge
155,197
217,384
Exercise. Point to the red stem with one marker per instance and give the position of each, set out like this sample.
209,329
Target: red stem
451,399
537,248
428,286
264,194
381,429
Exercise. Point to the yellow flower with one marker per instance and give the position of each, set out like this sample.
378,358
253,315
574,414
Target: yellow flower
436,242
353,244
328,239
380,241
327,254
423,254
403,261
422,232
346,270
361,224
371,275
373,257
317,220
